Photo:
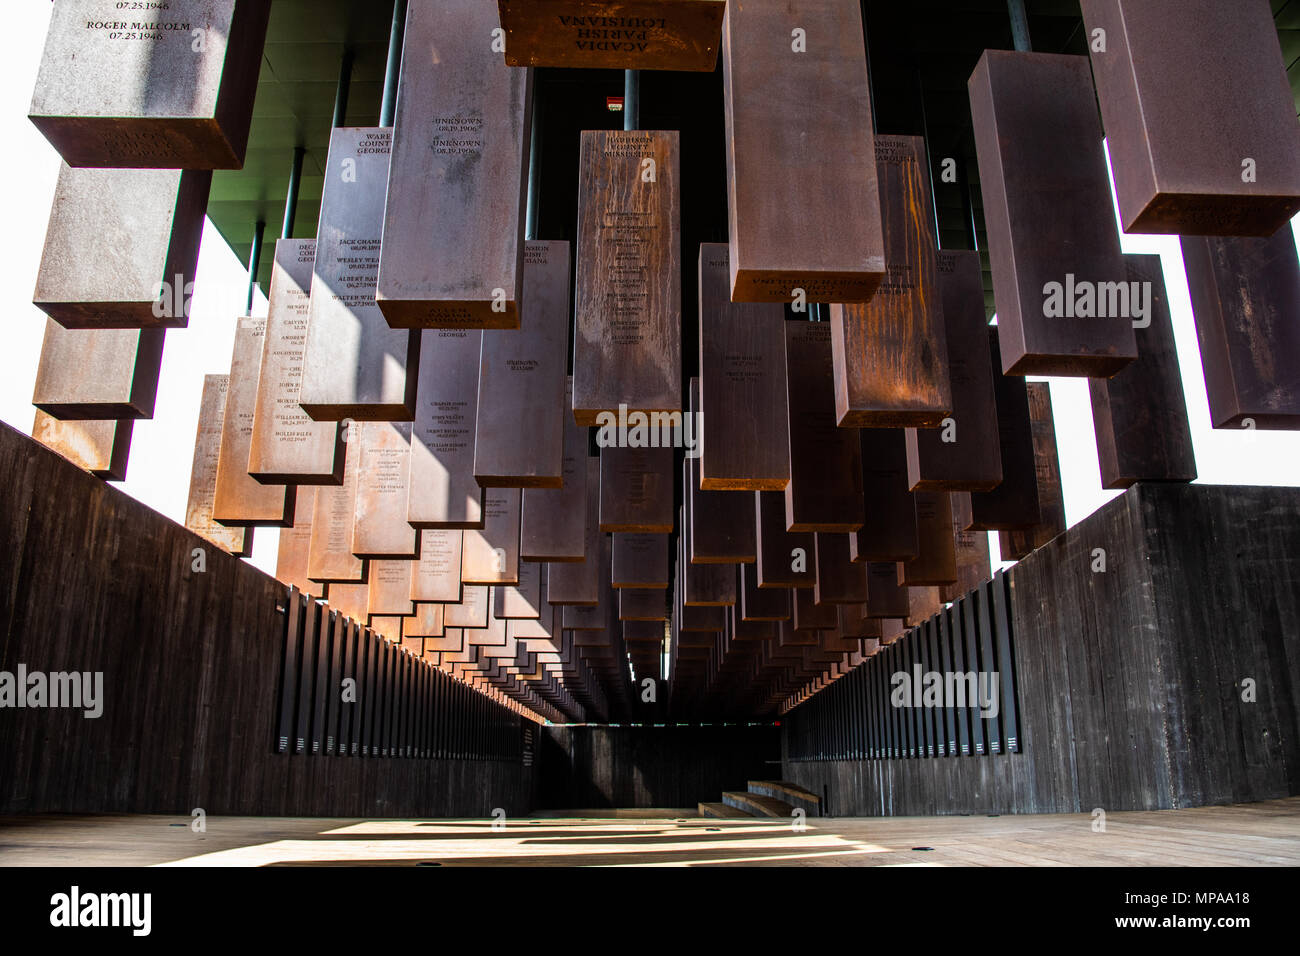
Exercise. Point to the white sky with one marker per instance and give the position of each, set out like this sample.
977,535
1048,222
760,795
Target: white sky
162,449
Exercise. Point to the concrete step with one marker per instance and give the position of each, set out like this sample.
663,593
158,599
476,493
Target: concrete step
791,793
757,805
722,810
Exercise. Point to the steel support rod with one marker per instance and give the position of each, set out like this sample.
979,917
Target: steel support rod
343,90
1019,25
389,106
534,169
254,262
291,200
631,100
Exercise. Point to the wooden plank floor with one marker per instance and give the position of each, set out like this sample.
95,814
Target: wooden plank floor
1258,834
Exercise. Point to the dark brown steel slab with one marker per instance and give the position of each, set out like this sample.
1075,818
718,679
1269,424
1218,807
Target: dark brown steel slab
472,611
628,345
936,564
801,216
825,490
287,446
742,630
891,629
452,255
639,561
612,34
640,632
553,520
1047,469
1049,215
203,474
722,525
1245,299
963,454
839,579
435,574
330,556
98,374
99,447
1180,124
452,641
380,529
389,589
1014,503
525,631
885,596
761,604
444,493
491,555
241,500
742,399
1140,415
642,604
852,624
294,548
636,490
521,411
350,600
891,354
125,86
974,566
790,637
923,604
520,601
579,582
699,618
586,617
704,585
721,529
889,532
810,615
354,365
427,621
388,627
777,547
122,248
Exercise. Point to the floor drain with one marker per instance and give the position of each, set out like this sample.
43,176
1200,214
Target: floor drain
922,849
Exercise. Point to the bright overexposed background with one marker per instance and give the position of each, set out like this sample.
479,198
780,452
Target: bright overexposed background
162,448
